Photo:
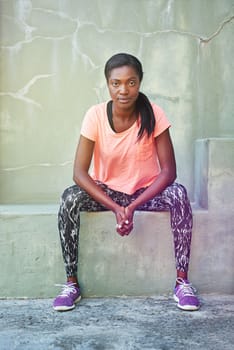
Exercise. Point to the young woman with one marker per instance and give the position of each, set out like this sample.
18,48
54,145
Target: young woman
134,168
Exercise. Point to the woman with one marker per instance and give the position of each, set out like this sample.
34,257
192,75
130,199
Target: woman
133,169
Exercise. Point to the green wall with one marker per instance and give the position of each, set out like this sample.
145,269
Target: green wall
52,59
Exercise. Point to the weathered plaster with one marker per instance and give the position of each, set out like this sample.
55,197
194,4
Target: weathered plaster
53,55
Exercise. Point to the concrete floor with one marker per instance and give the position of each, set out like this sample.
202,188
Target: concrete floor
150,323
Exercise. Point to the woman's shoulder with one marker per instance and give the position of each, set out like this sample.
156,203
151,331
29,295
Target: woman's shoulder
94,119
96,112
95,115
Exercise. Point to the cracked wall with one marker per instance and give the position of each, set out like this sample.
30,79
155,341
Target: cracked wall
52,58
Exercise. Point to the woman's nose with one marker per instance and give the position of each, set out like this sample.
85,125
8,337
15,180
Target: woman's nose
123,89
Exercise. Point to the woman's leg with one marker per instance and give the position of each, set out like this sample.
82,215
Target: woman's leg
175,199
74,200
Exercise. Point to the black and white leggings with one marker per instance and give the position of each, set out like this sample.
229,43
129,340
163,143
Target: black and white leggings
173,198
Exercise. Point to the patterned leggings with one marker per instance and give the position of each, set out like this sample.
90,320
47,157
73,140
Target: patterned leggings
173,198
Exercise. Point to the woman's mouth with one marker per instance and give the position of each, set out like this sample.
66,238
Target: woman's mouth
123,100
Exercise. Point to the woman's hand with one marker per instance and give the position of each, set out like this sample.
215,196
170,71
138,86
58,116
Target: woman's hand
124,218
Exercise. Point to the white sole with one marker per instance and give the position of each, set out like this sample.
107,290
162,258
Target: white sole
185,307
67,308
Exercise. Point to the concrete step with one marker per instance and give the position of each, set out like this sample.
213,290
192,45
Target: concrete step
110,265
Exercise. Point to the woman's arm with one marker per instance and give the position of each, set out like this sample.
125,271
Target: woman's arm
82,178
168,170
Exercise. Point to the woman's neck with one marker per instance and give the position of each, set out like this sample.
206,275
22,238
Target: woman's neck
122,119
125,114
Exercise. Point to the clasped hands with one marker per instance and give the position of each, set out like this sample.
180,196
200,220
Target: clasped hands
124,218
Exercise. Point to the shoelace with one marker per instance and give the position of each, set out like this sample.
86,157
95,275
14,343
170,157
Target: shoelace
186,289
67,289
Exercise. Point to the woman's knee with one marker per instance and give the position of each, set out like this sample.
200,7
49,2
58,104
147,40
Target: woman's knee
180,190
177,192
69,194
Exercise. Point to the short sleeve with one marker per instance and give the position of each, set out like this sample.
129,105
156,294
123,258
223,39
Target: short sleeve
162,123
89,124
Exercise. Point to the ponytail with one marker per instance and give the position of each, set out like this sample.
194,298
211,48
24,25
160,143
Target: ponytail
146,112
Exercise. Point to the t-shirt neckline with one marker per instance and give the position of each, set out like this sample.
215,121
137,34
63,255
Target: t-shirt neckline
110,124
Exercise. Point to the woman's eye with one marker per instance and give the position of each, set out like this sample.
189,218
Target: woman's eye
132,83
115,84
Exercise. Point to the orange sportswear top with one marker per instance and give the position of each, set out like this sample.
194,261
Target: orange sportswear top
121,161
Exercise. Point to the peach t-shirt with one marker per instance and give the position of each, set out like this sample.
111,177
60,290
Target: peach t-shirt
121,161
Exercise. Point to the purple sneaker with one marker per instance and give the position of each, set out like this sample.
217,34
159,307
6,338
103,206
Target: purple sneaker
69,296
184,295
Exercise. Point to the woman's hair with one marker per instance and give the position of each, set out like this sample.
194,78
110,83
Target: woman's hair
143,104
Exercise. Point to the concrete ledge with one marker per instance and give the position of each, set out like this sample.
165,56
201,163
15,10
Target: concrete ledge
143,263
30,252
139,264
109,265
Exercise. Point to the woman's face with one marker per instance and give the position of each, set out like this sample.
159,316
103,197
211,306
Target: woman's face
124,84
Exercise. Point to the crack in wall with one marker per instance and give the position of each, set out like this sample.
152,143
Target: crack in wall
195,36
27,29
18,46
44,165
60,14
28,38
21,94
218,31
220,173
